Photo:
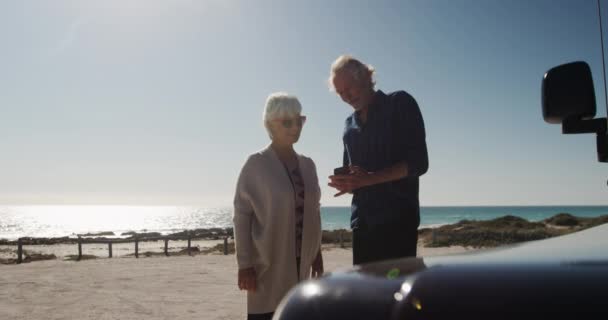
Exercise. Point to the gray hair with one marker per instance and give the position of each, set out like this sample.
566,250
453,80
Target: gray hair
280,105
350,64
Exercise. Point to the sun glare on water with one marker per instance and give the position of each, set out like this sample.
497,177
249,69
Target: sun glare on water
86,218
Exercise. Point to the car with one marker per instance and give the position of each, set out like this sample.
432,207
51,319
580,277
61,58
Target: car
565,275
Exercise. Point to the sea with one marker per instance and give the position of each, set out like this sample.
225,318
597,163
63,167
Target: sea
71,220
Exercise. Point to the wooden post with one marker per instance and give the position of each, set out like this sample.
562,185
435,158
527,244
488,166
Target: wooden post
341,239
79,248
136,248
225,245
110,249
189,240
166,247
19,251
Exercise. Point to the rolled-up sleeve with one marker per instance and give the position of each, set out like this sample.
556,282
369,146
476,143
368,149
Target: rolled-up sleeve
242,217
410,135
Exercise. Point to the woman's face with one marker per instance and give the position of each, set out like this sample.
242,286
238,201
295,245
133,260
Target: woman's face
286,131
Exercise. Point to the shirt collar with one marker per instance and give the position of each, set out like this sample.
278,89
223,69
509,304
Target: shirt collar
377,101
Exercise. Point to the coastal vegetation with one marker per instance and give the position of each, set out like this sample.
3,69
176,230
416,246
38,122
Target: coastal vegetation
466,233
489,233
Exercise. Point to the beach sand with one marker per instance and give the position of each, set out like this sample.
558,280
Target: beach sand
176,287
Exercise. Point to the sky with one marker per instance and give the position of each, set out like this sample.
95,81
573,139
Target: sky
149,102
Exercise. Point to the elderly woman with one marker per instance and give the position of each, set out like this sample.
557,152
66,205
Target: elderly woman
277,224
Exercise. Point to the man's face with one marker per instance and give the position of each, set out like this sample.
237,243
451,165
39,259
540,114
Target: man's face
357,93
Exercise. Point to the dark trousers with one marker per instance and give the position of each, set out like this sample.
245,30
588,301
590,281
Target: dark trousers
260,316
298,267
383,243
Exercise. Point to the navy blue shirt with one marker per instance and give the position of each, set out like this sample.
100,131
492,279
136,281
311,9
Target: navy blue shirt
394,132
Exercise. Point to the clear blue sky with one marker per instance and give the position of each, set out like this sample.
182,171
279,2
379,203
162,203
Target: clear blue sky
159,102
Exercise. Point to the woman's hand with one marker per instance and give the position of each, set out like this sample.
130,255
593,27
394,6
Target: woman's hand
317,265
247,279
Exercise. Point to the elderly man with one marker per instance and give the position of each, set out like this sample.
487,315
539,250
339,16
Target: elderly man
385,154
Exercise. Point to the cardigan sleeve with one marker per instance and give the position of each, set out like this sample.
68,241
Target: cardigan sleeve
317,186
242,217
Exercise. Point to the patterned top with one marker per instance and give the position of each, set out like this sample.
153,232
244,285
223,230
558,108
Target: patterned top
298,187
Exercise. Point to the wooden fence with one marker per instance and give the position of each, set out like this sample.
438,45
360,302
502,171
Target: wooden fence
110,242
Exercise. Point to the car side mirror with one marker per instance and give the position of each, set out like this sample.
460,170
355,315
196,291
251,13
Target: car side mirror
568,98
567,93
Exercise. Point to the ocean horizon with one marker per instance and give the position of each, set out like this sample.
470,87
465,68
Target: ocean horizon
71,220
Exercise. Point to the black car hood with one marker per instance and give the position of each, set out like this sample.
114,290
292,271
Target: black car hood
562,274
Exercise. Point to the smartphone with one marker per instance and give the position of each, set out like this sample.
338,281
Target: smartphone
341,171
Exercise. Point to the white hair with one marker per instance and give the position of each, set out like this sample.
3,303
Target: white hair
353,66
280,105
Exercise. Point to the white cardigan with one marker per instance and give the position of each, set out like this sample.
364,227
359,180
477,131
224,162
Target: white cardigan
264,226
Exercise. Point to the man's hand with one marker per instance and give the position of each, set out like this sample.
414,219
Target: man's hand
317,265
357,178
247,279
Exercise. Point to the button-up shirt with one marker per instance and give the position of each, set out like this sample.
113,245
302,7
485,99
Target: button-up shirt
393,133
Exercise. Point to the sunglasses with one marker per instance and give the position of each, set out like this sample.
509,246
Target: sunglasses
288,123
